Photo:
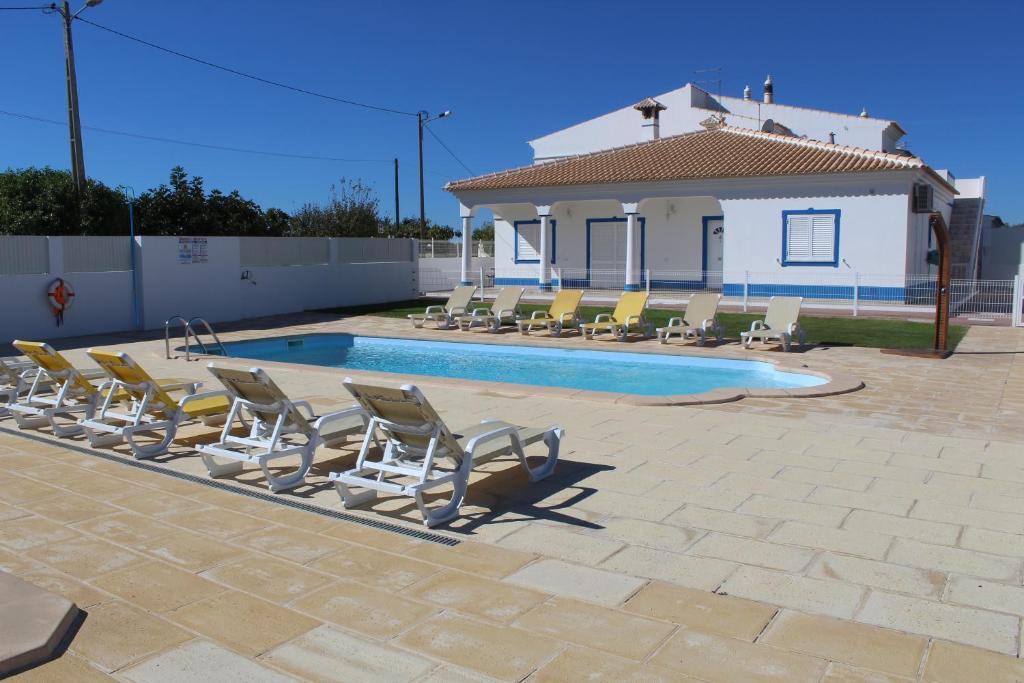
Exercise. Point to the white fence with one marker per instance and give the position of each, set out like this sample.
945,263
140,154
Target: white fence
439,249
849,293
218,278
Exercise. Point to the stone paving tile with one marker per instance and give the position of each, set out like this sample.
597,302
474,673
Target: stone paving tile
68,508
855,644
271,579
650,534
25,533
838,479
994,542
841,673
932,532
290,544
148,504
78,592
997,503
505,653
896,489
478,558
696,572
717,658
600,628
891,505
330,654
200,661
156,586
190,551
858,571
22,490
987,630
997,597
576,581
813,513
577,663
956,663
219,523
697,517
376,613
66,669
374,568
862,543
85,558
242,622
749,551
562,544
115,634
479,597
984,519
832,598
946,559
126,528
702,610
776,488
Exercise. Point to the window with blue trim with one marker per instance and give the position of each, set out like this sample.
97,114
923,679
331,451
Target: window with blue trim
527,240
810,237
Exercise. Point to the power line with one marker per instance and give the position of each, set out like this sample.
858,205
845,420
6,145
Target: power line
441,142
222,148
243,74
22,8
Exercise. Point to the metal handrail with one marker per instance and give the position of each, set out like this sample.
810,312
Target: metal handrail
167,334
209,330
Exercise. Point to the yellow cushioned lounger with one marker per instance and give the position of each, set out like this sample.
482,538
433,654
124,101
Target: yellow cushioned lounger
561,315
627,317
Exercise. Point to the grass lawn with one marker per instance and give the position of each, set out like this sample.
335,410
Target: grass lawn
849,331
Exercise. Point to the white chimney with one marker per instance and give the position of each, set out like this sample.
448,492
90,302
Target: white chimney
649,108
864,113
769,93
746,93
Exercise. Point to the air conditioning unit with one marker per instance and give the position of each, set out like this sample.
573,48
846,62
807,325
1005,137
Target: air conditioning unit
923,198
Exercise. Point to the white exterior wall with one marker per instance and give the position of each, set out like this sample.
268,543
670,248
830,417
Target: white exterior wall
214,290
688,106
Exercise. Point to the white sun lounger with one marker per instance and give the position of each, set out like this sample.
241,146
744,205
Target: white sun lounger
505,309
280,428
700,320
781,323
419,444
444,316
15,379
152,410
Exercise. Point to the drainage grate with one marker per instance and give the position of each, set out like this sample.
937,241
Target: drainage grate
260,495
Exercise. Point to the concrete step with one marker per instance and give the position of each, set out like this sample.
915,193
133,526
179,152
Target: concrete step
32,623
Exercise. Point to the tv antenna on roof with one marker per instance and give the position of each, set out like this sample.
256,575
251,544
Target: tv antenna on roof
714,78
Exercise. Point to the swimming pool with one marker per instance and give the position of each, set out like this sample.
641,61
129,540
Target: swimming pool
644,374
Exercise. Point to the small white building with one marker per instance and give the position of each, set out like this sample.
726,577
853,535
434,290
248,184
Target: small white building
687,190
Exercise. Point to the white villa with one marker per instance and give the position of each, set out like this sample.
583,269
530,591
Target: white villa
690,190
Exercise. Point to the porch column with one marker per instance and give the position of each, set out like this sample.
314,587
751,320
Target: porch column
544,271
467,245
632,257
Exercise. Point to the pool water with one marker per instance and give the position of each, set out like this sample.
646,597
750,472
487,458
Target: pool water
647,374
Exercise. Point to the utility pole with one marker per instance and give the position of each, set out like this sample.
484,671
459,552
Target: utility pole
422,119
74,122
398,213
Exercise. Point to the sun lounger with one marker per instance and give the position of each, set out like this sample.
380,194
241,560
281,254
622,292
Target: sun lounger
505,309
562,314
700,320
58,389
15,379
628,316
280,428
443,316
422,454
781,323
152,410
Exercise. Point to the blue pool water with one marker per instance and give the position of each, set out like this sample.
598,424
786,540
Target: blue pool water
619,372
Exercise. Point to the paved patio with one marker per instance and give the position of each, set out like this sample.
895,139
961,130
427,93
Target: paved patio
871,536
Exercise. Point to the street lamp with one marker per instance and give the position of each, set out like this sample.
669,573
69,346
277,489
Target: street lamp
74,122
423,118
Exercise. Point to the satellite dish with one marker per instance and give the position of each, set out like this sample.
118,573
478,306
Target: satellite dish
768,127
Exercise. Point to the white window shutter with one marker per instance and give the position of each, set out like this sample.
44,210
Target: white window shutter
528,242
824,237
799,238
811,238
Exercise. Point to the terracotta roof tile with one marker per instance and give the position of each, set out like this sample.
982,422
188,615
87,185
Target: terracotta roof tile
726,152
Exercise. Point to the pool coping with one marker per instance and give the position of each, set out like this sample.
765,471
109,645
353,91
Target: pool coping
836,382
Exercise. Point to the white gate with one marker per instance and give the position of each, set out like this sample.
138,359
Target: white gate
1018,301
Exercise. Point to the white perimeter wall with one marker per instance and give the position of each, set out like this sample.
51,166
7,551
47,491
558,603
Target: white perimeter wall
214,290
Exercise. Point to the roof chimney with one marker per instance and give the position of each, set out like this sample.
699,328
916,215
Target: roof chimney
650,108
864,113
769,93
746,93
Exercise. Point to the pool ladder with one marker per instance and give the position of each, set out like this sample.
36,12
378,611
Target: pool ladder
190,332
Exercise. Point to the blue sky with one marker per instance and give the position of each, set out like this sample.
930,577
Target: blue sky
949,73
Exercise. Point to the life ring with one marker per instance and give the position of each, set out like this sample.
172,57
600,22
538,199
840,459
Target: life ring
60,295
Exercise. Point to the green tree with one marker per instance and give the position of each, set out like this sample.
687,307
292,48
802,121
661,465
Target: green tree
410,228
485,232
353,210
42,201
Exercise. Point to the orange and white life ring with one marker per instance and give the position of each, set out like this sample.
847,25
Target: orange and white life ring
60,295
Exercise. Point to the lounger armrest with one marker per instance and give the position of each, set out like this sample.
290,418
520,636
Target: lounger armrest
708,324
757,325
603,318
480,312
300,405
337,416
489,436
538,314
630,319
674,322
508,313
567,317
190,398
456,311
437,308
